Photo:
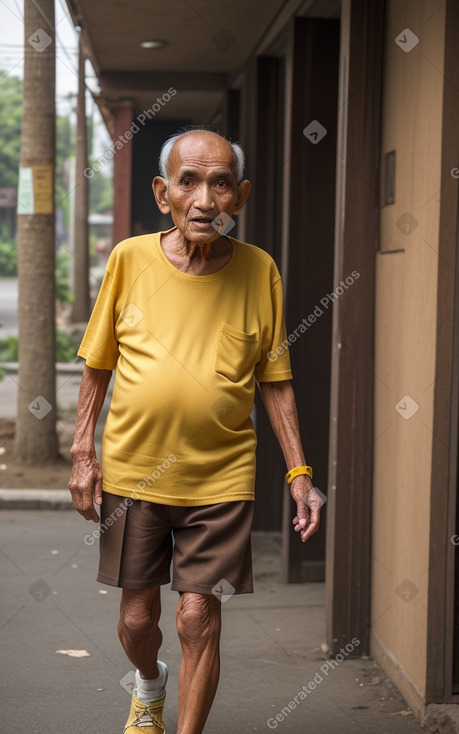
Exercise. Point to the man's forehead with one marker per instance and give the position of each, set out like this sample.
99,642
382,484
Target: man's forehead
202,149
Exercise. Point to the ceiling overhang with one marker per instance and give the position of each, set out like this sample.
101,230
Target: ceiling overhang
208,44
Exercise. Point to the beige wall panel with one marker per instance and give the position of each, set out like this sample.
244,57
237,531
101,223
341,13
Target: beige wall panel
405,338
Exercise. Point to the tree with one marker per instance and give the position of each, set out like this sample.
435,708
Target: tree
65,145
100,192
36,436
10,126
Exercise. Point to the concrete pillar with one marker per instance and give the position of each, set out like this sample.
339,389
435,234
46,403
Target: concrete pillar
123,172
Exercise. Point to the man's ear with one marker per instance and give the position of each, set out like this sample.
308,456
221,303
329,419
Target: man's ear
159,187
243,192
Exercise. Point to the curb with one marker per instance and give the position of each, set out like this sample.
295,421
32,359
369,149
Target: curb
35,499
62,368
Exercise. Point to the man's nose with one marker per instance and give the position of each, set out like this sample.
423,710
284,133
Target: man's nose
204,199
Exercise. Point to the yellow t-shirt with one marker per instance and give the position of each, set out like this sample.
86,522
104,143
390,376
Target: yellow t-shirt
187,350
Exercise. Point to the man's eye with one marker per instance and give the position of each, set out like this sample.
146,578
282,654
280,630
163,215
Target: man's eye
221,184
186,181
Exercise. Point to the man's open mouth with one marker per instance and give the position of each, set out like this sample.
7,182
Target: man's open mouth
205,220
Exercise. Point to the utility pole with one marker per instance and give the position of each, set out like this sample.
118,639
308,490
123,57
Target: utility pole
36,437
81,306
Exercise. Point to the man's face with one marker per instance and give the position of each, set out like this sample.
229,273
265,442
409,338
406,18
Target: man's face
202,185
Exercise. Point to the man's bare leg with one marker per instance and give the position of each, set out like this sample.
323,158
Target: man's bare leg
198,627
138,628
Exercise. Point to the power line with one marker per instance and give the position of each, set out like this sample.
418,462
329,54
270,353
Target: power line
20,16
20,47
19,10
12,53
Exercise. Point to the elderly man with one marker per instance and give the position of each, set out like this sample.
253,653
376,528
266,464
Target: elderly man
187,317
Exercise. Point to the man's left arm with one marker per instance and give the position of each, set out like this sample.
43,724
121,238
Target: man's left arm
279,401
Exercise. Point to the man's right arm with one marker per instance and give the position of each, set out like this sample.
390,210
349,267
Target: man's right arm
86,479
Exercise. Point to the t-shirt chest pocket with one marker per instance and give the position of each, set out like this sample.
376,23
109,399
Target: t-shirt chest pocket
236,352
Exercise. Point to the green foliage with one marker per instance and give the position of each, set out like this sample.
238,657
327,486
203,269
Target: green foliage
9,349
66,348
63,290
100,192
93,259
8,269
64,148
10,125
64,138
8,259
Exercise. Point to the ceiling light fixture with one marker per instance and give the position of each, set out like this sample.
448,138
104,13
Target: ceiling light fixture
154,44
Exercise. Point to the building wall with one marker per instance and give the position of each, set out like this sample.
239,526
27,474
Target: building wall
406,293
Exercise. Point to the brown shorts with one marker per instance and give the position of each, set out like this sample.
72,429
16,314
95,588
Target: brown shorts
208,546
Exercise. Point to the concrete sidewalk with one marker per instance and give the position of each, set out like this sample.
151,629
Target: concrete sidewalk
275,671
276,674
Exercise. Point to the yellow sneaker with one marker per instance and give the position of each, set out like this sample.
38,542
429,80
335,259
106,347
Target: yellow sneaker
145,718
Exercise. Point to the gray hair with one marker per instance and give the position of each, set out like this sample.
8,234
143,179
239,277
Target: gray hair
238,155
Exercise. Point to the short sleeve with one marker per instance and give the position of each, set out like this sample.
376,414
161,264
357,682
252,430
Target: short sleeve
274,364
99,346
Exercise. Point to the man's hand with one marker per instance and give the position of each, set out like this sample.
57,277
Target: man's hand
86,479
85,486
280,405
308,503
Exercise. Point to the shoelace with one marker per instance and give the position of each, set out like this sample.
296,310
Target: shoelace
141,710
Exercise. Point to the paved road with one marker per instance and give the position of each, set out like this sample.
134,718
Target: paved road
271,647
8,306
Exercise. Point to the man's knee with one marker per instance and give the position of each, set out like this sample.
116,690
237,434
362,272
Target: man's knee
138,615
198,617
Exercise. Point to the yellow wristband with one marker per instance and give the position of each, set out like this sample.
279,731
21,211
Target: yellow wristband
297,471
